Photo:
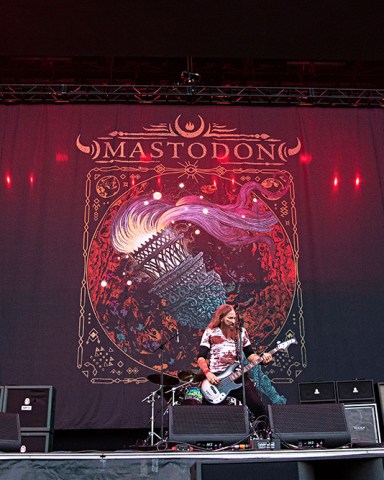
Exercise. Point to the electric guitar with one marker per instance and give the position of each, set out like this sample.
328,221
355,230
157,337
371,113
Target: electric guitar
217,393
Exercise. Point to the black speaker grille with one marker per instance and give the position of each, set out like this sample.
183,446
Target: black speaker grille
309,418
317,392
355,391
191,423
325,423
34,404
363,423
10,439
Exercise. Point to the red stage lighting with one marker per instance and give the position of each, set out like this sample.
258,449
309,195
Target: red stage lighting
61,157
31,179
305,157
8,180
357,181
336,181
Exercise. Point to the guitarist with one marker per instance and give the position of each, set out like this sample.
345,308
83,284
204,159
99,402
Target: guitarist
220,344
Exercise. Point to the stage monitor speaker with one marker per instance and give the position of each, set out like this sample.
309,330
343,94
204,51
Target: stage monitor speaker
36,442
317,392
208,423
310,425
34,404
363,424
355,391
10,440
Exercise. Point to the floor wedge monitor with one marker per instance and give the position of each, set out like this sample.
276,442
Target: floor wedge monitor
208,423
310,425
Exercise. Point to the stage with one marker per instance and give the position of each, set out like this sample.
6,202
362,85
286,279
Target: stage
310,464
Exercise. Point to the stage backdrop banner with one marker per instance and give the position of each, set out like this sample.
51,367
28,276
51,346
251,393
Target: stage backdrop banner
123,229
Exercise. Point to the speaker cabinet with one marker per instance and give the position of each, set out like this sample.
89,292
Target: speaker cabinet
380,396
311,425
34,404
208,423
355,391
36,442
317,392
10,440
363,424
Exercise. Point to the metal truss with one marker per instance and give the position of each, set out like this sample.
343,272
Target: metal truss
191,94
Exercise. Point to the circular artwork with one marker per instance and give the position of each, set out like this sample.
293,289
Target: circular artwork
159,264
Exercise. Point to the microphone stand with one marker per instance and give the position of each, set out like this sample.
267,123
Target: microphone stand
240,327
161,347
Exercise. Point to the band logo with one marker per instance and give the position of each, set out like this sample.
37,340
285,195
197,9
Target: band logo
196,142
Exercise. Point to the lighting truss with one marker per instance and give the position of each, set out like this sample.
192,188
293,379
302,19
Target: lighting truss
191,94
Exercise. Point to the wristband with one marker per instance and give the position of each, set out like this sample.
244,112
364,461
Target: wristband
206,371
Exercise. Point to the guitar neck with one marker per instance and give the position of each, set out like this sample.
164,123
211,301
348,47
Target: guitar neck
248,367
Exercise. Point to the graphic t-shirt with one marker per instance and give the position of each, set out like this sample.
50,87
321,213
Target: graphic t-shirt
223,350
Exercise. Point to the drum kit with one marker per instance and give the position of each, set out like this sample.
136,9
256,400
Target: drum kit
180,390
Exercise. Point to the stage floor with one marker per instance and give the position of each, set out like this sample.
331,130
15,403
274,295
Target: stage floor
309,464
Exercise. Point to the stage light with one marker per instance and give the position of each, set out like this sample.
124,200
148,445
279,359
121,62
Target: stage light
305,157
103,283
190,77
157,196
205,211
8,180
31,179
336,181
181,185
61,157
357,181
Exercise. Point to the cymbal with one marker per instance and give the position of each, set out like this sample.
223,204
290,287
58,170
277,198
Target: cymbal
191,375
167,379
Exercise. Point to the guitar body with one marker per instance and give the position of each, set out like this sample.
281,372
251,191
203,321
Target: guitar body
217,393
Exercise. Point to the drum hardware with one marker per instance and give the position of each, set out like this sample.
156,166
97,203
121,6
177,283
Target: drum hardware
167,379
152,399
170,395
194,376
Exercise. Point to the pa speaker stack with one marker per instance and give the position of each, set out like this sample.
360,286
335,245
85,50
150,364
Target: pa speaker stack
358,399
35,408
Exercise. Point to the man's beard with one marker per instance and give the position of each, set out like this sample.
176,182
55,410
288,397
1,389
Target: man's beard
228,332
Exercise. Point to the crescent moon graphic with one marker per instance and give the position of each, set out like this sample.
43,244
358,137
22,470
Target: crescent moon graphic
186,134
81,147
294,150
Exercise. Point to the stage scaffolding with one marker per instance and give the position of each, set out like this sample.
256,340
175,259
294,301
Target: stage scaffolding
190,94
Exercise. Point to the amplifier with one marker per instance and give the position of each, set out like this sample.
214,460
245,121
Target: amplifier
355,391
317,392
34,404
363,424
36,442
